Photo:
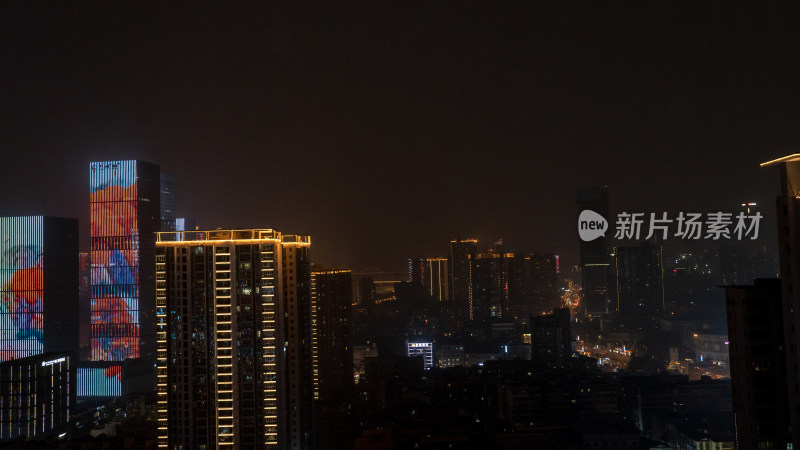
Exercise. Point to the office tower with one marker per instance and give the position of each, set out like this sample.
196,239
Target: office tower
234,363
595,260
437,278
332,300
758,364
640,282
423,350
38,286
167,200
491,273
788,206
37,394
125,214
461,254
416,271
551,338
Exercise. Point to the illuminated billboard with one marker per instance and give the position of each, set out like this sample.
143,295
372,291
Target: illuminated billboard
21,287
114,242
99,381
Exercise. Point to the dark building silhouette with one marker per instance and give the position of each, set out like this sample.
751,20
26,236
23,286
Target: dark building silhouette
595,260
332,294
788,207
640,282
551,338
85,304
461,254
540,283
758,364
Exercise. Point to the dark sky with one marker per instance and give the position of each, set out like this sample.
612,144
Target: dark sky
385,129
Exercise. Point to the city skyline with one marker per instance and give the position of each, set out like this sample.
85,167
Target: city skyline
403,125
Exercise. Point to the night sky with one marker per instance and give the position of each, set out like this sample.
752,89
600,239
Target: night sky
383,130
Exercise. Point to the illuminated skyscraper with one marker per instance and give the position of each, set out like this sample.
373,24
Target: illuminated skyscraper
234,363
595,257
461,254
38,286
125,214
437,279
332,293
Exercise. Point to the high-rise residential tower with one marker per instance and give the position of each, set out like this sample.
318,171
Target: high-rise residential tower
38,286
234,364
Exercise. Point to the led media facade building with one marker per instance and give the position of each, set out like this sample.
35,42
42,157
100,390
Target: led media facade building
38,286
125,214
234,361
37,394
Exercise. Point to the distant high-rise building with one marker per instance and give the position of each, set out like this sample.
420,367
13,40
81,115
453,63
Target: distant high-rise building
332,294
38,286
640,281
167,195
437,278
788,206
540,281
595,259
491,294
461,254
758,365
37,394
551,338
416,271
125,214
364,290
234,360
